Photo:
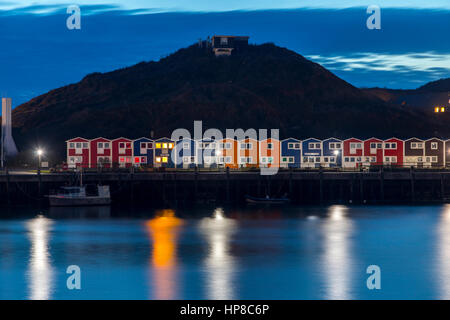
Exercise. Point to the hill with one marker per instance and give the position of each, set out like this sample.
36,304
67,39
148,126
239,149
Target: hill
424,98
263,86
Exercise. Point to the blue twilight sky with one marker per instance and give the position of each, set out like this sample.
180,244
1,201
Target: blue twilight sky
38,53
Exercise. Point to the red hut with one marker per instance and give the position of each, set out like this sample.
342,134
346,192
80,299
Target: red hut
373,152
353,152
393,152
122,152
78,153
101,153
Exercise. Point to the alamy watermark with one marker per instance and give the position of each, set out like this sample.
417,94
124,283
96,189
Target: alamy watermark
74,280
216,138
374,280
374,20
73,22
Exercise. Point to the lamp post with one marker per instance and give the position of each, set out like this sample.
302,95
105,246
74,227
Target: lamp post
39,152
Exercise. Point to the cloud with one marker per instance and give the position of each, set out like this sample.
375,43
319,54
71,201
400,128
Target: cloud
433,63
216,5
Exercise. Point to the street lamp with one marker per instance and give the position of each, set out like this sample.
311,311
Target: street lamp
336,152
39,152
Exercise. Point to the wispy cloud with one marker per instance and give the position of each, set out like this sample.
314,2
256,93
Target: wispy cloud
220,5
429,62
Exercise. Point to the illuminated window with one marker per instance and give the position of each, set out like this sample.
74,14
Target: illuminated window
442,109
137,160
170,145
436,109
158,145
164,159
158,159
122,160
164,145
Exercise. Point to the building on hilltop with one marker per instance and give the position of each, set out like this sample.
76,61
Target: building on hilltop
224,45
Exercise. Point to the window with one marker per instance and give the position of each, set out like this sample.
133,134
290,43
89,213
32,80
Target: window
228,145
106,144
318,159
122,145
164,145
373,146
158,159
85,145
263,159
332,146
170,145
243,159
290,146
269,146
434,159
192,159
158,145
352,159
325,159
427,159
379,145
143,159
338,145
223,41
419,159
164,159
78,144
346,159
137,160
332,159
413,145
305,159
374,159
149,145
185,159
314,145
143,145
72,145
434,145
420,145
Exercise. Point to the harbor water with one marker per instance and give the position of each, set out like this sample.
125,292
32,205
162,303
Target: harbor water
253,252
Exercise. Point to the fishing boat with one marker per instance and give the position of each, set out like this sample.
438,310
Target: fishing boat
266,200
77,196
81,195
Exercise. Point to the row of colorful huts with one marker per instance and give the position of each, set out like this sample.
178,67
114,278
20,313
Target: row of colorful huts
228,152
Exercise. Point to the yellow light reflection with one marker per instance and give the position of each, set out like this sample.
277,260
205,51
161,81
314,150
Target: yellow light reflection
337,260
40,271
443,254
164,229
220,265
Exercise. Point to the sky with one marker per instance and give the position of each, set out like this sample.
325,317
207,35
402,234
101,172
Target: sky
38,53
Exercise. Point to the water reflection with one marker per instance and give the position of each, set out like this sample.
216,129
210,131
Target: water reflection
443,259
220,264
164,229
337,260
93,212
40,271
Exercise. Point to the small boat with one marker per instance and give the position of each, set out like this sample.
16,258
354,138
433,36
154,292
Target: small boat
266,200
77,196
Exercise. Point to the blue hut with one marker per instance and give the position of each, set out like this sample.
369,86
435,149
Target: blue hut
311,153
163,153
332,152
143,152
290,153
207,153
186,153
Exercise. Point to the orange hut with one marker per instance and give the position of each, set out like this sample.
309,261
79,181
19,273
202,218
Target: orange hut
269,153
